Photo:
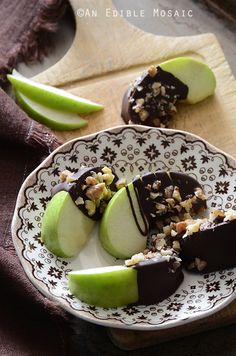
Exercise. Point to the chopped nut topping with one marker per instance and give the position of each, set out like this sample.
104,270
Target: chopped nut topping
91,207
96,191
181,226
169,191
143,114
193,227
216,214
79,201
156,122
139,257
156,185
65,176
152,71
230,215
187,204
200,264
173,233
121,183
176,194
156,85
90,180
161,207
167,230
176,245
163,90
140,101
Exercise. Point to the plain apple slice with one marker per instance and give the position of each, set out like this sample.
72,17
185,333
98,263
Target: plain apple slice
196,75
55,119
65,229
105,287
119,233
52,97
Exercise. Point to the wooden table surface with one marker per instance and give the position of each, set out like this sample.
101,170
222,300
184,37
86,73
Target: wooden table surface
89,339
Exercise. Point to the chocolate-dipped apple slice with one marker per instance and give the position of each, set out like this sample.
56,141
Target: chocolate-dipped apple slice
150,198
151,99
77,202
208,244
146,279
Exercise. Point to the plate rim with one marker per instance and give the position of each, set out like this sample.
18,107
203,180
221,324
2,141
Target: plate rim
111,322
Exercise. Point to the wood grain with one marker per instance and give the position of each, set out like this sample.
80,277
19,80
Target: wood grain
106,55
132,340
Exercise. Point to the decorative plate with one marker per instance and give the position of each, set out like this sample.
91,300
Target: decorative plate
129,150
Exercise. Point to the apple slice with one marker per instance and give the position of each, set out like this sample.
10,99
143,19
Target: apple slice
119,233
105,287
55,119
52,97
65,229
147,281
196,75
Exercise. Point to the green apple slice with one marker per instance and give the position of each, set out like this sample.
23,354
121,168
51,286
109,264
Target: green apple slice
65,229
52,97
55,119
118,232
105,287
196,75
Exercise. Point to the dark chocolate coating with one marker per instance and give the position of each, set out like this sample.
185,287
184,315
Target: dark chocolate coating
186,185
75,188
157,105
157,279
216,246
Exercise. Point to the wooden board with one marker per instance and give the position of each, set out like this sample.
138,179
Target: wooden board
106,55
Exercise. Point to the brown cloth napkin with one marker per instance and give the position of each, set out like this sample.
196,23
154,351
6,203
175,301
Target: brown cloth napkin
25,28
30,324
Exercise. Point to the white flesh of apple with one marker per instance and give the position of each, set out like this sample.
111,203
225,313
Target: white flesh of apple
106,287
65,229
50,96
119,233
196,75
55,119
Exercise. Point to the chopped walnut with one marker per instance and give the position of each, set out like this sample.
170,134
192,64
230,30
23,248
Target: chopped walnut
200,264
176,194
215,214
139,257
91,181
152,71
121,183
156,122
66,176
79,201
181,226
176,245
143,114
192,227
96,191
230,215
91,207
187,204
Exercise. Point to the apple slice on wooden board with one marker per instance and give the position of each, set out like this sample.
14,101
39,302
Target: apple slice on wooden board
198,77
65,229
119,233
55,119
52,97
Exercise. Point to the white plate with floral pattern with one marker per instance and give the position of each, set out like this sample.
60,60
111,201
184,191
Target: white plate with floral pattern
129,150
